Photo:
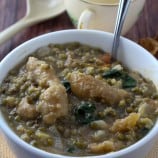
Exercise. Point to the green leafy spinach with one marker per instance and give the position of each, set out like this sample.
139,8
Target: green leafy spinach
84,113
67,85
127,81
71,149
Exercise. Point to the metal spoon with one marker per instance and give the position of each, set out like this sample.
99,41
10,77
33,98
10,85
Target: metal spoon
37,11
121,14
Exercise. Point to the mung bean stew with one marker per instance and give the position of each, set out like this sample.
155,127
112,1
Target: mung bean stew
70,99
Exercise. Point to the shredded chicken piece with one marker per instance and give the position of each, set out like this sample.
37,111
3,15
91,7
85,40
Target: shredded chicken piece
86,86
26,110
126,123
40,72
148,107
103,147
53,101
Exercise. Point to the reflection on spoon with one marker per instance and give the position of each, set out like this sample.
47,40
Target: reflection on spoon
121,14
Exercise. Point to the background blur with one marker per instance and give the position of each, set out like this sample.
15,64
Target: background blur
13,10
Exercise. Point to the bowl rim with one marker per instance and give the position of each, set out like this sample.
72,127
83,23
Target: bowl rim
12,135
108,4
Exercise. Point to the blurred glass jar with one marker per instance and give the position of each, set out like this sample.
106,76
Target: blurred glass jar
101,14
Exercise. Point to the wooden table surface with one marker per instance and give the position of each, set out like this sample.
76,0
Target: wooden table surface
13,10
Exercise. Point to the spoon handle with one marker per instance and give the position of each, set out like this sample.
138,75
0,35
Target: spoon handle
122,11
13,29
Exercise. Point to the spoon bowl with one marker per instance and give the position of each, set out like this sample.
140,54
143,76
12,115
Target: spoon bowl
37,11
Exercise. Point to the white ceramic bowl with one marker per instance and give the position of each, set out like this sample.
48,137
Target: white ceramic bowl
130,54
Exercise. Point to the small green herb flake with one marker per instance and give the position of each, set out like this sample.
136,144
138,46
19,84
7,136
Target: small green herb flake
67,85
113,73
127,81
84,113
71,149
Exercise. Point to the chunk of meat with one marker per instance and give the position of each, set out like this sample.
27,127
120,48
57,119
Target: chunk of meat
103,147
125,124
40,72
148,108
26,110
86,86
53,101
